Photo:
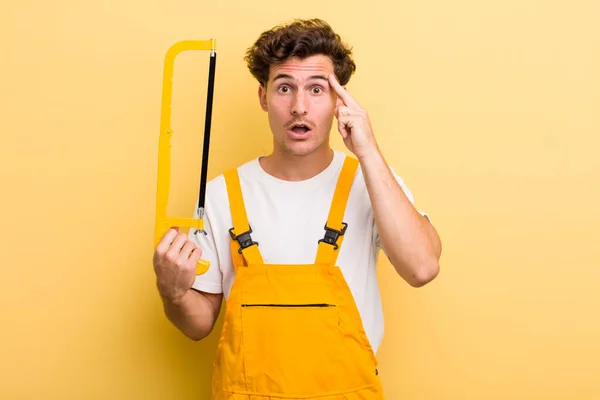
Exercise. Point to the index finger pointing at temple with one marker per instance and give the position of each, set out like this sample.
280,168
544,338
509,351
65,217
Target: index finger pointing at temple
341,92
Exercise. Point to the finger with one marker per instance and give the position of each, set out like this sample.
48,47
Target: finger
166,240
342,92
344,111
180,241
342,129
186,250
348,122
344,125
195,255
176,246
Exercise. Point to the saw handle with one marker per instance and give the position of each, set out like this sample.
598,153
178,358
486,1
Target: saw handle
201,266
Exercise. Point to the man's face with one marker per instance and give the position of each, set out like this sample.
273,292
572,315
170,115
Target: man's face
300,104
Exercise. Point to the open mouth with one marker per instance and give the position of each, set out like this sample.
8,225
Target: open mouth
300,129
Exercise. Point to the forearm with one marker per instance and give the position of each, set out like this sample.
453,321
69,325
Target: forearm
409,240
194,314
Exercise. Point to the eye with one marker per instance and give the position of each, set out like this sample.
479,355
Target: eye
284,89
317,90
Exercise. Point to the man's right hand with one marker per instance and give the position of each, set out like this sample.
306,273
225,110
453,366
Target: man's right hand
175,261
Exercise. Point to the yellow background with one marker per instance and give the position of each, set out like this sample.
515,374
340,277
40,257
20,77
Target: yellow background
490,111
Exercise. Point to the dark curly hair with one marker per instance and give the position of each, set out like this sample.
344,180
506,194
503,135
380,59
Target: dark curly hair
302,39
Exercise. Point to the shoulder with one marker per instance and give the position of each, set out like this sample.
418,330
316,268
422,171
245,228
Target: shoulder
216,190
217,186
360,184
217,196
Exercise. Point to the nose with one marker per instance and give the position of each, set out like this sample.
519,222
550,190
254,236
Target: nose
299,106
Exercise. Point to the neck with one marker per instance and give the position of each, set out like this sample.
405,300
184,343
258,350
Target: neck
290,167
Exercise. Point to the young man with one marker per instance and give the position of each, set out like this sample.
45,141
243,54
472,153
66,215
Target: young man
303,314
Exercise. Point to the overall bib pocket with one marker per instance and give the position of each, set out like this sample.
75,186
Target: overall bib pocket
291,347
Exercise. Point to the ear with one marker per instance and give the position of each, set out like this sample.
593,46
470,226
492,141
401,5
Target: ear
262,97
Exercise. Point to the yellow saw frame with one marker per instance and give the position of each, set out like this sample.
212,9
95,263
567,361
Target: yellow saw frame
163,222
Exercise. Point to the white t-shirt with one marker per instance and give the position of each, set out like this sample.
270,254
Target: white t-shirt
288,219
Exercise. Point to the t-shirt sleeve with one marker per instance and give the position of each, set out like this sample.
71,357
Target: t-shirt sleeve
409,195
212,280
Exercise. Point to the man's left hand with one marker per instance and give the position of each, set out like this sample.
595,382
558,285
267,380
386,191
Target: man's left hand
353,122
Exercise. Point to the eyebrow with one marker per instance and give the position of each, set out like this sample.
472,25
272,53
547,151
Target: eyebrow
287,76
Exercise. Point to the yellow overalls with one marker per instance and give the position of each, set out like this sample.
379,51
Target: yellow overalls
292,331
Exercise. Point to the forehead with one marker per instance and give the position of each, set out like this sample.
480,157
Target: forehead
303,68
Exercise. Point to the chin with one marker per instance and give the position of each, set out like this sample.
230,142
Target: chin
303,148
299,152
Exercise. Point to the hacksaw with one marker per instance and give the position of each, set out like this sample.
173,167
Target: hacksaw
164,222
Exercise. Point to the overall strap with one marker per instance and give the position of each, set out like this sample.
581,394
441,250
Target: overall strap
242,245
335,228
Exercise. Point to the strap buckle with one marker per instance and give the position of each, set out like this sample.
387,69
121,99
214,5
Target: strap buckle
243,239
332,235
